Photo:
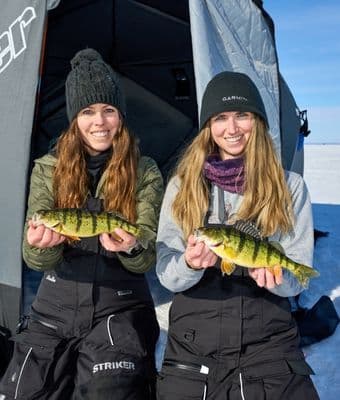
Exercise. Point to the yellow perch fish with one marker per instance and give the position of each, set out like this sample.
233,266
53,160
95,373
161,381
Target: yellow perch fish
236,247
76,223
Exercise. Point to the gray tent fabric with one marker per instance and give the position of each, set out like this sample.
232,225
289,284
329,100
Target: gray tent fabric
21,29
290,127
164,76
235,37
52,4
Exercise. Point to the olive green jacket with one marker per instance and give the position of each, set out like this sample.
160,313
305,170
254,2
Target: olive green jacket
149,197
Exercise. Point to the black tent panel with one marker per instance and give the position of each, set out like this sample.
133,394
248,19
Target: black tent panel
154,49
147,42
72,26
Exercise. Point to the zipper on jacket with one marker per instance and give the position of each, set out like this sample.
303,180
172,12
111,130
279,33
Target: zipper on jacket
201,369
108,328
21,371
241,387
47,324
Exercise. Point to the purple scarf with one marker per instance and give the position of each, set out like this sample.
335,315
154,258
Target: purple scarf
227,174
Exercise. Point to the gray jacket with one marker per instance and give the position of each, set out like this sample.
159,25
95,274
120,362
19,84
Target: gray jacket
172,269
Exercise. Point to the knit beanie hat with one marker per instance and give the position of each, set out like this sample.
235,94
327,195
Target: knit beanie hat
92,81
231,91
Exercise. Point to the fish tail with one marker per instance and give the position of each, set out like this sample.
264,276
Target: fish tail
144,236
303,273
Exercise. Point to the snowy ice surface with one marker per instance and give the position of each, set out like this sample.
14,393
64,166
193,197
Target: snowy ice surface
322,175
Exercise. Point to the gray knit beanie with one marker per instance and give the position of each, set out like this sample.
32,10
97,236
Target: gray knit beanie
92,81
231,91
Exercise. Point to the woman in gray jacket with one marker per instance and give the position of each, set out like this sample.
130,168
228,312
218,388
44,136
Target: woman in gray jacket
232,337
92,329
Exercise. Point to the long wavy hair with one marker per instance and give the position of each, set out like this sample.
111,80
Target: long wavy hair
71,180
266,200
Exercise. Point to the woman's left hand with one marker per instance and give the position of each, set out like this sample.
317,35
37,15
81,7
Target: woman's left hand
265,277
119,241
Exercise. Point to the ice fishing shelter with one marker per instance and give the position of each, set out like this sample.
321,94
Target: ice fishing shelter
165,50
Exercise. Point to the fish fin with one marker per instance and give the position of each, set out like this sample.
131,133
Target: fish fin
276,270
116,213
304,273
73,237
57,227
248,228
115,236
227,267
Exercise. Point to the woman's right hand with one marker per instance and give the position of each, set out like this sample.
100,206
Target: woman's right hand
198,255
42,237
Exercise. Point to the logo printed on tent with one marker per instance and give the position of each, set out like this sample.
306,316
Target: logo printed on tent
13,41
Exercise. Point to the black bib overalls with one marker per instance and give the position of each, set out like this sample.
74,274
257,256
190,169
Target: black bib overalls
230,339
91,333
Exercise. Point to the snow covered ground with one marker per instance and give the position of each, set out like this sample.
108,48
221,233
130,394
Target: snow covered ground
322,175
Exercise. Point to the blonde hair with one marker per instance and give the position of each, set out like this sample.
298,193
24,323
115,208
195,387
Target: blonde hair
71,181
266,200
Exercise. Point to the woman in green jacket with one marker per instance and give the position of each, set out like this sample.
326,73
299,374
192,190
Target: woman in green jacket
92,329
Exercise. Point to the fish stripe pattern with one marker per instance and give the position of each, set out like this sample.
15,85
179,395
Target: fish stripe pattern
269,255
242,242
64,216
94,223
78,219
257,245
281,258
108,221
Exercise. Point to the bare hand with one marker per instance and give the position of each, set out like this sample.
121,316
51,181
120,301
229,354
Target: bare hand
198,255
42,237
267,277
120,240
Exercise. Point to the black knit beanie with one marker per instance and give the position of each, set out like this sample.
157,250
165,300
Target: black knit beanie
92,81
231,91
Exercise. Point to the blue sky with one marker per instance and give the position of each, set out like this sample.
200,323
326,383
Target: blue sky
308,46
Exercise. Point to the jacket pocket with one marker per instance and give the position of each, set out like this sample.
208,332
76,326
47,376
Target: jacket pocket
125,336
280,379
300,367
185,381
277,368
114,359
27,373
